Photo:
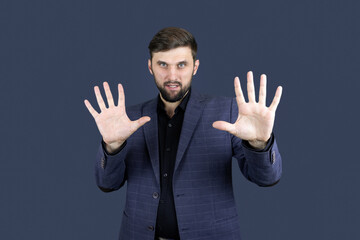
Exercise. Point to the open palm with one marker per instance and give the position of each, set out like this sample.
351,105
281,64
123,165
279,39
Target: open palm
113,123
255,121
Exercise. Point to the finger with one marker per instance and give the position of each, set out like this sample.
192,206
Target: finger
121,101
141,121
250,87
238,91
276,99
91,109
262,91
99,98
224,126
108,94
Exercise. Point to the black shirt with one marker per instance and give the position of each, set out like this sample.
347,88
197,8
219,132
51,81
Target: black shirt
169,130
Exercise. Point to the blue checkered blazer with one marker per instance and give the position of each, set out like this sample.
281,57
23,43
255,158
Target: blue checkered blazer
202,183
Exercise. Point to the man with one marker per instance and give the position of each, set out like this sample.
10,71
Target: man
175,151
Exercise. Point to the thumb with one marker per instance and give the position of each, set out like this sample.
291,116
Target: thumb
141,121
224,126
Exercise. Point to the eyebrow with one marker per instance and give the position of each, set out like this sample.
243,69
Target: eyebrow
160,62
181,62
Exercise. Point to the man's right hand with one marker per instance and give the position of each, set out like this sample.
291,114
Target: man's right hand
113,122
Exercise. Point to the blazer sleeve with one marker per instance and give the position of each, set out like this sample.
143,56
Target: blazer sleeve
261,167
110,170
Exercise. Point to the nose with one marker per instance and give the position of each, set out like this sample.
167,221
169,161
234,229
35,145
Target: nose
172,71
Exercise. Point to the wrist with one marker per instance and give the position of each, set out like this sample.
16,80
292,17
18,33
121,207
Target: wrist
257,144
113,147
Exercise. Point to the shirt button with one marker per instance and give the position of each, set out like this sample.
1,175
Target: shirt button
151,228
165,175
169,125
155,195
167,149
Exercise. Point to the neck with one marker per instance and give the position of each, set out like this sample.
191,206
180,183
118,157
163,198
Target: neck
171,106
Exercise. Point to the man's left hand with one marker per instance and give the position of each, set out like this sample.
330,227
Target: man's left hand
255,121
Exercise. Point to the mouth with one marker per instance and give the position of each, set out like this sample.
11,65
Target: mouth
172,86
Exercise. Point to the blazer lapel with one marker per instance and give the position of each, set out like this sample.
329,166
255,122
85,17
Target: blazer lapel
151,136
192,115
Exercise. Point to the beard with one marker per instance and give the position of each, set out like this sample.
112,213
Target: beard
168,96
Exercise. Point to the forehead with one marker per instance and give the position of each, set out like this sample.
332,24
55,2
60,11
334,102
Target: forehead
173,55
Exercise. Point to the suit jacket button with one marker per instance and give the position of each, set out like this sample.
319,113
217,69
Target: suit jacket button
102,163
273,157
151,228
155,195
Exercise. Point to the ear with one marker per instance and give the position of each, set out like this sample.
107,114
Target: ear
196,66
149,66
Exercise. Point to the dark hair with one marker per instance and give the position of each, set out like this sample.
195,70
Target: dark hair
170,38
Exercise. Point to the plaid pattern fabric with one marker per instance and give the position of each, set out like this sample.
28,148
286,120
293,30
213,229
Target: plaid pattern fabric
202,183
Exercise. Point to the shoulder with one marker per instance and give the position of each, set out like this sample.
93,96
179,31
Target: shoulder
139,106
214,101
136,111
211,107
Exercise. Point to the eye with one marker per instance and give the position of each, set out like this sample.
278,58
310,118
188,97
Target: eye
181,65
162,64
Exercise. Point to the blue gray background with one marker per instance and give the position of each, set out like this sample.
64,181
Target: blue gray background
52,53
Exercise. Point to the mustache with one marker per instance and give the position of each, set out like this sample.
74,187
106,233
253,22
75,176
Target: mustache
173,82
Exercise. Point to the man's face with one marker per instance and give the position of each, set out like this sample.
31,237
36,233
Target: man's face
173,71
